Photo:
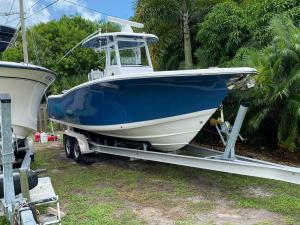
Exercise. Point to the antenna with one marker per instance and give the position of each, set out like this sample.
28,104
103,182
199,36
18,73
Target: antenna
125,24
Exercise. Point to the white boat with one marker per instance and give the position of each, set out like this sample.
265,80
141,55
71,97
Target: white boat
128,100
26,85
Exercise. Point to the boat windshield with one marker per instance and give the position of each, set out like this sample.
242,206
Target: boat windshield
113,56
133,53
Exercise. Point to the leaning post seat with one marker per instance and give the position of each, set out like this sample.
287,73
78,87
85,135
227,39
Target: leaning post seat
95,74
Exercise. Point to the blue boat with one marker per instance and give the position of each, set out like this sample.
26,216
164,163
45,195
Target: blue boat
129,100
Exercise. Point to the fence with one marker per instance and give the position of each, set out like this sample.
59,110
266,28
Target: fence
43,121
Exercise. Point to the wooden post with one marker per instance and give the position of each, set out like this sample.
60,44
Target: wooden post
39,121
45,118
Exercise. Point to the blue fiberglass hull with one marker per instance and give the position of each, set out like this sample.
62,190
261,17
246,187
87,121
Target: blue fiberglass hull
137,99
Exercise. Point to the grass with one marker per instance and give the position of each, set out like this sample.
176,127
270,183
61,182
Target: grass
201,206
285,198
116,191
102,213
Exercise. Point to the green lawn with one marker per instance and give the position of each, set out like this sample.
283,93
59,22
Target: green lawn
118,191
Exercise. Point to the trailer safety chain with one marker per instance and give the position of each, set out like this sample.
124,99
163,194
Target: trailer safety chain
22,207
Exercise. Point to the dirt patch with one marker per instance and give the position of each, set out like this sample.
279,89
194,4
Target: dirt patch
208,188
163,214
223,212
156,216
257,192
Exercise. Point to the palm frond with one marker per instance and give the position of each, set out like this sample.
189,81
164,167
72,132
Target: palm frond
277,93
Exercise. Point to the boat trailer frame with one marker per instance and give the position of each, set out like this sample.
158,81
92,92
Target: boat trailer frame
202,158
20,209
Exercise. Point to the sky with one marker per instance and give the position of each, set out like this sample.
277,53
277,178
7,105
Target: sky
117,8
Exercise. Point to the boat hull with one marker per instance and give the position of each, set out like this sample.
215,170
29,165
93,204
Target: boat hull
167,134
26,85
166,112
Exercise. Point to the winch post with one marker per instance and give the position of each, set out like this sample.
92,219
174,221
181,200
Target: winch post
229,153
23,172
7,155
24,183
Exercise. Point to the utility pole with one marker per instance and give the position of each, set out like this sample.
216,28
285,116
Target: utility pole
23,28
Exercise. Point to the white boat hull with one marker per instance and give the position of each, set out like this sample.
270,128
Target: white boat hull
166,134
26,85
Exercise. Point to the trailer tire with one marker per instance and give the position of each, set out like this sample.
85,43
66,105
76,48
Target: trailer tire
69,146
77,152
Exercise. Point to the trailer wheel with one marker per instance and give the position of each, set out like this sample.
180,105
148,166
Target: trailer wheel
69,146
77,152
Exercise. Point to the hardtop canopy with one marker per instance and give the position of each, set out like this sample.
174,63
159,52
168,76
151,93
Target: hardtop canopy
101,40
6,35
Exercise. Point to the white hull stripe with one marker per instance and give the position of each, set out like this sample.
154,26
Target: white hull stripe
137,124
21,78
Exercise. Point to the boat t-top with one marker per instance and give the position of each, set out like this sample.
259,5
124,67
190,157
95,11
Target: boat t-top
131,101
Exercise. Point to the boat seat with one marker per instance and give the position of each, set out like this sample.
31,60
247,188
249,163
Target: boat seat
95,74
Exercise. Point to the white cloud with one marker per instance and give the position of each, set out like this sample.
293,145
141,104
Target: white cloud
13,6
43,16
66,7
62,7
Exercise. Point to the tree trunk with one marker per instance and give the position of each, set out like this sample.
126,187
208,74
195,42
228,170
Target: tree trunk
187,37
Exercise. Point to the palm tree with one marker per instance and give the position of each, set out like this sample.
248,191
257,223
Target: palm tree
171,20
277,93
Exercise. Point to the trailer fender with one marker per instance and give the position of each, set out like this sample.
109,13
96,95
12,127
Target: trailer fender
82,141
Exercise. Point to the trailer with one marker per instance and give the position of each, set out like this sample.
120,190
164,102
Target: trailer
22,191
79,143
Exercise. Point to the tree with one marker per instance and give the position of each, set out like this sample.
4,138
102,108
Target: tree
49,42
172,21
260,13
223,31
276,96
235,24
